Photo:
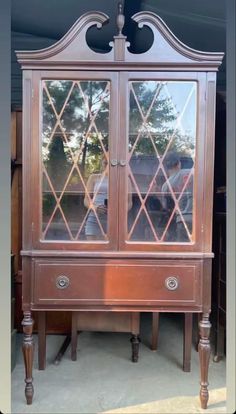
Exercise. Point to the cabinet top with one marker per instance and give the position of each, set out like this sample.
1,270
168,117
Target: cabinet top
166,53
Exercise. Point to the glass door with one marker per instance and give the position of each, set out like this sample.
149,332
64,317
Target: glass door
78,143
161,162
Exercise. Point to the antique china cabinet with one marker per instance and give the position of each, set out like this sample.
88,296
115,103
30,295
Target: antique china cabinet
118,178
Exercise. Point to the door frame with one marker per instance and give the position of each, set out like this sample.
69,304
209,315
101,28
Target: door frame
36,162
200,149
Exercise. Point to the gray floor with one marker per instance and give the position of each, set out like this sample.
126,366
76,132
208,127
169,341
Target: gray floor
104,379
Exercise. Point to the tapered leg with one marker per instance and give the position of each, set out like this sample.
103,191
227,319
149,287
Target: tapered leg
188,330
155,330
204,356
41,340
74,334
135,340
28,353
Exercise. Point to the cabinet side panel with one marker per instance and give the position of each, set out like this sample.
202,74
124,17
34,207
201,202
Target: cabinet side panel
209,160
26,283
27,130
206,297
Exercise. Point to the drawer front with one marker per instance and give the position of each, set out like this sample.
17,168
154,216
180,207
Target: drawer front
146,284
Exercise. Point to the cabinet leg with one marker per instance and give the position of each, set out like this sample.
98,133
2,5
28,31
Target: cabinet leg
204,357
219,343
28,352
155,330
196,336
74,335
188,330
135,340
41,340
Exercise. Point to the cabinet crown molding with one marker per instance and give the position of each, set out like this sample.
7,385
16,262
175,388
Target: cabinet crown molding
166,50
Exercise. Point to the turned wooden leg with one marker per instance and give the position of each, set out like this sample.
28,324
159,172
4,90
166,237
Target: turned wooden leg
41,340
204,356
155,330
135,340
74,335
188,330
28,352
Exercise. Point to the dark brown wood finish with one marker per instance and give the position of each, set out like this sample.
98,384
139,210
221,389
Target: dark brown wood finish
135,340
116,284
36,200
204,356
118,275
28,353
209,159
155,330
199,186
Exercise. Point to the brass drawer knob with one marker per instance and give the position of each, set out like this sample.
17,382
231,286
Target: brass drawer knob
171,283
62,282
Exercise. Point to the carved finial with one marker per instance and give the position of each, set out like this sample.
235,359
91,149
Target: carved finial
120,43
120,19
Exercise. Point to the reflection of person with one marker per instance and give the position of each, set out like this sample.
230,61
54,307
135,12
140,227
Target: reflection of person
99,191
177,178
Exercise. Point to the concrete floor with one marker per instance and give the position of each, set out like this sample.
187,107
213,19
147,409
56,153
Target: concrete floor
104,380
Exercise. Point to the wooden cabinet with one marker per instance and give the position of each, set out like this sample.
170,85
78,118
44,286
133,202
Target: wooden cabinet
219,285
118,178
116,283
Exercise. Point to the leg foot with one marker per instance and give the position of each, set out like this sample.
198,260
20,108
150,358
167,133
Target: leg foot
204,356
135,340
28,352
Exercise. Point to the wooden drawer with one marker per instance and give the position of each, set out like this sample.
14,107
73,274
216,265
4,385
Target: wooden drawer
116,283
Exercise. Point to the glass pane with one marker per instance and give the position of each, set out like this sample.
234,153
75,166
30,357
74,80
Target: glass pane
162,139
75,153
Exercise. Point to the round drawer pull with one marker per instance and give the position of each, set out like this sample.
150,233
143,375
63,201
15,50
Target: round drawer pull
114,162
171,283
62,282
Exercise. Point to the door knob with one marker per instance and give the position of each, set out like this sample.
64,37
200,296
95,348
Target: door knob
62,282
114,162
122,163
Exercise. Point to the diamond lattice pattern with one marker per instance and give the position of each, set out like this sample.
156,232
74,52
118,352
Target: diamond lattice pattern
162,136
75,126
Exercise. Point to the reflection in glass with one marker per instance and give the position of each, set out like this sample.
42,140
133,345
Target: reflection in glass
75,127
162,136
97,186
